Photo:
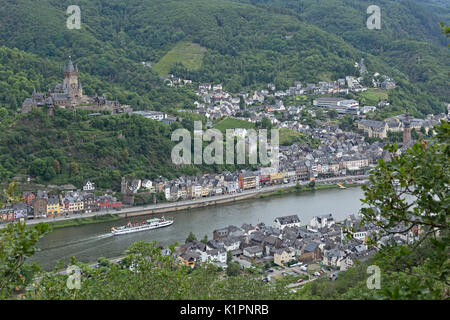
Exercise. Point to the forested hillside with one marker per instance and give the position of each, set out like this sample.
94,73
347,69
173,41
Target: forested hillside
242,45
409,40
245,45
70,147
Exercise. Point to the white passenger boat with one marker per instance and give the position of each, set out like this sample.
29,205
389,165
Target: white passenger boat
142,226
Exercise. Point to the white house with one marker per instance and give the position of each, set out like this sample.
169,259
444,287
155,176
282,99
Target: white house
214,255
197,191
135,185
287,221
232,186
322,221
360,234
147,184
167,193
88,185
230,244
253,252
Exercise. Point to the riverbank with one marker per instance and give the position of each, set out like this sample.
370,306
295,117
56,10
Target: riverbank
84,220
302,188
269,191
227,199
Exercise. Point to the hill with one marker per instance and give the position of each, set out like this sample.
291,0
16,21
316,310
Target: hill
409,40
246,45
70,147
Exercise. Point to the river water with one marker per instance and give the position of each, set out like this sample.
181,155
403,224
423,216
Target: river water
89,242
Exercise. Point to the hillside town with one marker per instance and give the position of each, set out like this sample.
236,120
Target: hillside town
336,152
291,244
216,102
339,154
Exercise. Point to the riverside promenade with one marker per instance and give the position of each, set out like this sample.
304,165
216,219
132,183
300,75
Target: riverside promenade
197,203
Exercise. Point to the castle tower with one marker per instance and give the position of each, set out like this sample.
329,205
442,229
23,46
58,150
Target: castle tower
406,129
128,196
123,185
71,82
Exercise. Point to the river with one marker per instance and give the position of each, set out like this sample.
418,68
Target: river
88,242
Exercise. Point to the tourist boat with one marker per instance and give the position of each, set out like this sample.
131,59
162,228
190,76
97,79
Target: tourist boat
341,186
142,226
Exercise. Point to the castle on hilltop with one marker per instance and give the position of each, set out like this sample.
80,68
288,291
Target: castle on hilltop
69,95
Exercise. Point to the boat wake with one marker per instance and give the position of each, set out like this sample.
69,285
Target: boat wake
93,238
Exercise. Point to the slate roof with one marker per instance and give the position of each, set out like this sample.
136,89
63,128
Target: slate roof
310,247
288,219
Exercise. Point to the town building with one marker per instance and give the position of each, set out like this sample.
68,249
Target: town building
287,221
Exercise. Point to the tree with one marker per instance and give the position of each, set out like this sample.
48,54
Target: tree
74,168
229,256
241,103
233,269
346,123
191,237
319,114
17,244
332,114
205,239
411,193
43,168
125,155
266,123
56,166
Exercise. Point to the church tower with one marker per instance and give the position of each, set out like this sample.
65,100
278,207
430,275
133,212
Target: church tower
406,129
71,82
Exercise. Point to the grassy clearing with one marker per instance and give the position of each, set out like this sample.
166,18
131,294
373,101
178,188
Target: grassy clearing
230,123
188,53
372,96
289,137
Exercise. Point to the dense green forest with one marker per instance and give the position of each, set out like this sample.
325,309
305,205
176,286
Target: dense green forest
73,146
247,45
409,40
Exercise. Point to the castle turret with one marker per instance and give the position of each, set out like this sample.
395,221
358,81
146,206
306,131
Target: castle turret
406,129
71,82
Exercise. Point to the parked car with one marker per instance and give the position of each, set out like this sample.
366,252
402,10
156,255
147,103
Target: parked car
300,280
333,276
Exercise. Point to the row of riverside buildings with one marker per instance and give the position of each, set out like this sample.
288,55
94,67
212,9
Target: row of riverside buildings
41,204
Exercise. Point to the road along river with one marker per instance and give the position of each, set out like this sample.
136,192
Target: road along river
88,242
